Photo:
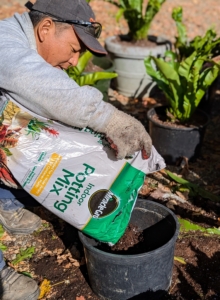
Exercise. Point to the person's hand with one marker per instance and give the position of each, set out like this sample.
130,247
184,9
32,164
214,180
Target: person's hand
127,135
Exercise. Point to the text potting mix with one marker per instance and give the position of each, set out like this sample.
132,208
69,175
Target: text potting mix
72,172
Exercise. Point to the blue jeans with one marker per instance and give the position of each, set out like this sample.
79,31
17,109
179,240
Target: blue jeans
9,200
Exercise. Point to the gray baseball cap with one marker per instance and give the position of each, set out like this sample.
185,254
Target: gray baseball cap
76,12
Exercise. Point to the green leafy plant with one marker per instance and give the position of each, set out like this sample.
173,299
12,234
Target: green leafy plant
2,246
138,17
186,226
82,78
26,274
2,231
23,254
206,45
180,259
35,127
194,189
98,79
183,83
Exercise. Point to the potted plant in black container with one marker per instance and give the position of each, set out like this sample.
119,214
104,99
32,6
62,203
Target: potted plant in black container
128,51
177,130
207,44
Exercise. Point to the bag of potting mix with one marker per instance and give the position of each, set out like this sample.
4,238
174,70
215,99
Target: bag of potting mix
72,172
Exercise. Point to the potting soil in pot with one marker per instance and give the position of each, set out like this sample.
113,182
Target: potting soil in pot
137,241
72,172
131,237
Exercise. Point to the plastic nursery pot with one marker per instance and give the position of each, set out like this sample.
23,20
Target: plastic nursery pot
128,61
207,102
148,271
175,142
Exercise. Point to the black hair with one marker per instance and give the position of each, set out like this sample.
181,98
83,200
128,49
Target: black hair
37,16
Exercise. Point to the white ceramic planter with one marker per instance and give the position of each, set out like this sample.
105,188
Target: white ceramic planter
128,61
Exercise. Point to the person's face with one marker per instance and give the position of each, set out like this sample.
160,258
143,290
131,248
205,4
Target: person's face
59,47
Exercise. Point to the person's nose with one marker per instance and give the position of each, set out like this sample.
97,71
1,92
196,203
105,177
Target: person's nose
74,59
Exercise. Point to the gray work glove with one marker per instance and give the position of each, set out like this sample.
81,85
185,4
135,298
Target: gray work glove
127,135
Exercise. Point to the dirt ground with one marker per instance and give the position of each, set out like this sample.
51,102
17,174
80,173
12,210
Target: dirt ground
57,253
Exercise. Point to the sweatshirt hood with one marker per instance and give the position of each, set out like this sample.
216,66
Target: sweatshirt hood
27,27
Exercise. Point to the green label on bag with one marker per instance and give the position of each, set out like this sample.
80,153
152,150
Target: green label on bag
111,209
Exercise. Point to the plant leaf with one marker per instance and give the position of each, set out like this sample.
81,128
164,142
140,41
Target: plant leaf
119,14
173,89
186,65
138,20
177,178
194,188
156,75
205,194
26,274
24,253
92,78
206,78
3,247
203,45
82,62
180,259
190,70
186,226
171,59
2,231
181,39
152,9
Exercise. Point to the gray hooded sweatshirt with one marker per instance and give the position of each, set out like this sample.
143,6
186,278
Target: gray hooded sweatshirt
47,91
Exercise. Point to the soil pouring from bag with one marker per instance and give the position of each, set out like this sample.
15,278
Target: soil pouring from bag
136,241
131,237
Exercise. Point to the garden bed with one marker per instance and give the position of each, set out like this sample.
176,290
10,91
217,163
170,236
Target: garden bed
59,255
57,252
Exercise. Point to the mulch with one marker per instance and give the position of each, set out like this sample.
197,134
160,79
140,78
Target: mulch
58,253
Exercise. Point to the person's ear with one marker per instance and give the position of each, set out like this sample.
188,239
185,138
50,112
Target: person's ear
45,27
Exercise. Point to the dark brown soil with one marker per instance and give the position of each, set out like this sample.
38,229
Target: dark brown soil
199,278
131,237
69,278
63,262
198,119
126,42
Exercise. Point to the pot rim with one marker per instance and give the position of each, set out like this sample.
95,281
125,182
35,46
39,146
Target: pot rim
170,127
157,39
134,256
135,52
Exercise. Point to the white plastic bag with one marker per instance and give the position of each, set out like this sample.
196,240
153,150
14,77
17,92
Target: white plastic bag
73,172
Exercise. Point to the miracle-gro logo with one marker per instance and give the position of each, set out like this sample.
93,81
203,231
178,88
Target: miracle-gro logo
102,203
73,188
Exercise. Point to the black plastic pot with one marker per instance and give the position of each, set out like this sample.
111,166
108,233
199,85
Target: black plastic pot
121,276
174,142
207,102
